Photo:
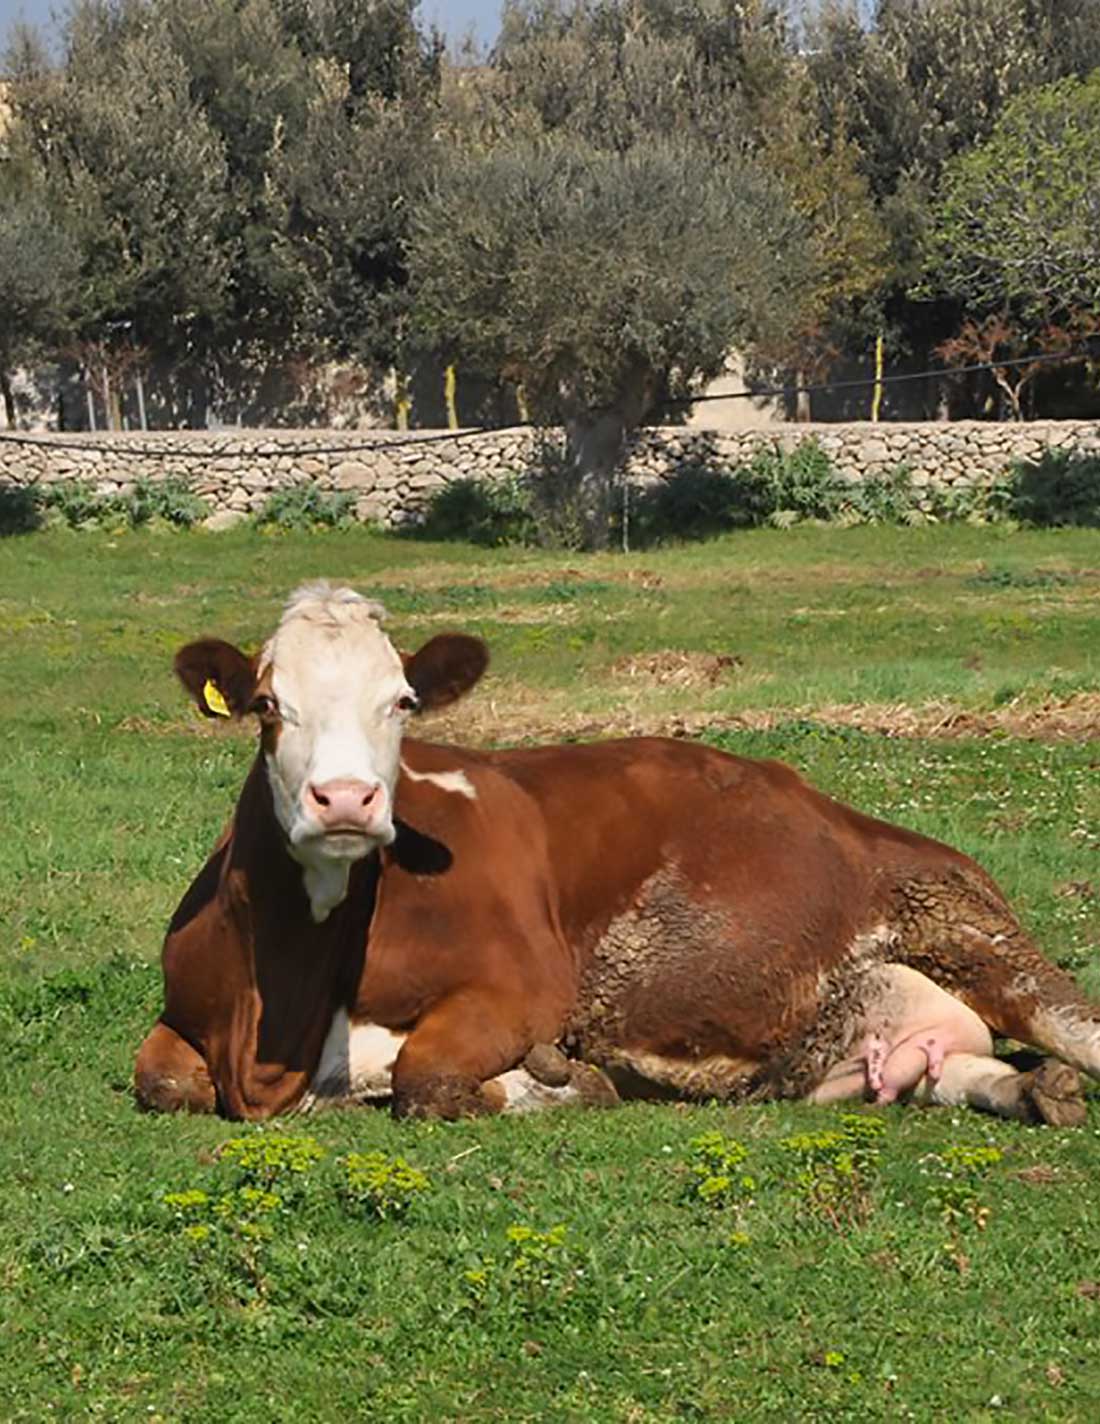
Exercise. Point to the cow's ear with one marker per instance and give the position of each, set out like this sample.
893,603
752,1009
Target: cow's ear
220,678
446,666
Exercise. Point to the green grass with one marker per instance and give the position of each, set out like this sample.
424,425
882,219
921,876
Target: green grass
652,1308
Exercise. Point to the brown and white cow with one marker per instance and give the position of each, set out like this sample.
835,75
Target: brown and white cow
389,918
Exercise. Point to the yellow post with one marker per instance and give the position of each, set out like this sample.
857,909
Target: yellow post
401,403
521,406
449,386
876,399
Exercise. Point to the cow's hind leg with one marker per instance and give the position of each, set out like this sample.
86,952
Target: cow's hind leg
547,1079
170,1076
1050,1093
461,1058
956,929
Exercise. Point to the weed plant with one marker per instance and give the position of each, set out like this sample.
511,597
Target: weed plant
303,506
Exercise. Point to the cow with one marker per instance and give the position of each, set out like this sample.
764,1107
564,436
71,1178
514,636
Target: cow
465,932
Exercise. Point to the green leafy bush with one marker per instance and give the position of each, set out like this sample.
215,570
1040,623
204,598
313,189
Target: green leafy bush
383,1186
77,505
776,486
836,1169
718,1177
492,513
695,503
888,498
171,500
304,505
20,509
792,485
1060,488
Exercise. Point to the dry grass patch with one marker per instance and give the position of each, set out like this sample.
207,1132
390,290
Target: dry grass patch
672,668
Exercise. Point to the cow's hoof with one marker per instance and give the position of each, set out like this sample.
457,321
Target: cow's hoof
448,1098
548,1065
1055,1094
593,1087
191,1093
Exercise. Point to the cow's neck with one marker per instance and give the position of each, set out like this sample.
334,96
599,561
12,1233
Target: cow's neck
301,971
324,880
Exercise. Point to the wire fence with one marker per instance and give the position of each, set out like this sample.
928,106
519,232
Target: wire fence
396,440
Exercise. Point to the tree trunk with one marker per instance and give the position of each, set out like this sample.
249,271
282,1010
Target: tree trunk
9,398
802,409
596,445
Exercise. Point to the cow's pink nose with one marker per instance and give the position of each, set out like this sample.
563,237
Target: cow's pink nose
343,803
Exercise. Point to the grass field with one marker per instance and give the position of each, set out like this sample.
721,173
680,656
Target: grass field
946,678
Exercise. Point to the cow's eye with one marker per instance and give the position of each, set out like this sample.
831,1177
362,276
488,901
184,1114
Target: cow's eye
408,703
264,706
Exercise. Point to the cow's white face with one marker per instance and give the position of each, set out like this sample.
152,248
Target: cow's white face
333,697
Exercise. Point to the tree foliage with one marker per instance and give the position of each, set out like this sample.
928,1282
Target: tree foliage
1016,224
249,188
599,280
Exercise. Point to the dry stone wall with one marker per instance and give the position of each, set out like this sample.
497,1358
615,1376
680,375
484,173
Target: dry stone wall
394,475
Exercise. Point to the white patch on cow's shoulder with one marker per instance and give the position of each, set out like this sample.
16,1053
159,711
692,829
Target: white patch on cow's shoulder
356,1060
456,781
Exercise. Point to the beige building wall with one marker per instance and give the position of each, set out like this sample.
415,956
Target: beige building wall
740,411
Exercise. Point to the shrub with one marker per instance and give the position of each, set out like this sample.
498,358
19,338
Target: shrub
718,1177
20,509
171,500
383,1186
778,487
695,503
1060,488
886,499
837,1169
792,485
76,504
303,505
493,513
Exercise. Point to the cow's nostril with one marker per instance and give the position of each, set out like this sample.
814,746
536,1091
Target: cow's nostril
319,796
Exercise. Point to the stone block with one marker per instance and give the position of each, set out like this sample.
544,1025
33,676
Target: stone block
224,519
352,474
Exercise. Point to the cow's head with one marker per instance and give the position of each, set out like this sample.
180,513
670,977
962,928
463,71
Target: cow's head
332,696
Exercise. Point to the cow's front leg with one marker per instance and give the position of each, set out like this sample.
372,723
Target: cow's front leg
170,1075
467,1057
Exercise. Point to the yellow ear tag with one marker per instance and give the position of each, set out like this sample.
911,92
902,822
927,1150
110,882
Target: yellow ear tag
214,700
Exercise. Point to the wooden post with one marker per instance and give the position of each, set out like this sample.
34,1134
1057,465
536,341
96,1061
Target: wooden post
449,388
401,402
876,397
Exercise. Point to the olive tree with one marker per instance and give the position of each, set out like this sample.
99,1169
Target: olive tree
37,272
602,280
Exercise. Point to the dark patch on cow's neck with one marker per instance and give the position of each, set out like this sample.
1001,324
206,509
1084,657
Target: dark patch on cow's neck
418,853
303,971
